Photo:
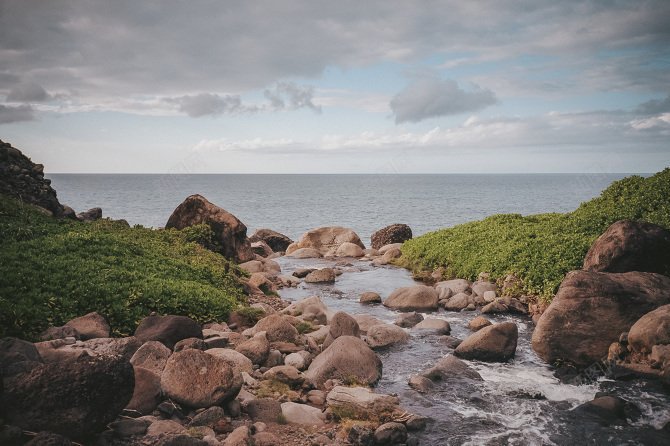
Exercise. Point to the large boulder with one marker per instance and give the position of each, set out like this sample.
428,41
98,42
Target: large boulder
326,240
348,249
629,245
278,242
229,232
152,355
90,326
324,275
240,362
302,414
592,309
495,343
168,329
651,329
347,358
450,368
396,233
17,355
413,298
255,349
147,393
197,379
385,335
278,328
75,398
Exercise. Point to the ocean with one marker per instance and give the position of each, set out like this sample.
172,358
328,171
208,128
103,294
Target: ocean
293,204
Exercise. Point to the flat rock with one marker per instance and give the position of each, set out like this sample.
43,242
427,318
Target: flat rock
302,414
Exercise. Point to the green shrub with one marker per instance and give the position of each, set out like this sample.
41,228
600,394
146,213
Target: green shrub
54,270
539,249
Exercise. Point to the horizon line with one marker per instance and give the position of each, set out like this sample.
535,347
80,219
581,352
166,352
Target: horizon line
351,173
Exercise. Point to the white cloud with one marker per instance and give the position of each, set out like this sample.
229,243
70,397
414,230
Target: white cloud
429,97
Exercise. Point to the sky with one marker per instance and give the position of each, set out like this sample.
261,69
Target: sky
309,86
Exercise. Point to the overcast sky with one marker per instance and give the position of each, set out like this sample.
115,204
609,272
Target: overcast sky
337,86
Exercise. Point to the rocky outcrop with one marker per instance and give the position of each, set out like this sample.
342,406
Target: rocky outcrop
495,343
397,233
629,245
414,298
75,398
277,241
347,358
592,309
230,234
167,329
326,240
24,180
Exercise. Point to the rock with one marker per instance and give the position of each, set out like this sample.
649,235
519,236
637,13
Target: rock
387,257
286,374
384,249
296,360
325,275
651,329
457,302
478,323
390,434
494,307
608,409
92,214
591,309
241,363
230,234
361,435
198,379
629,245
301,273
239,437
495,343
167,329
347,358
489,296
162,427
385,335
277,328
63,332
17,356
413,298
256,349
276,241
152,355
267,410
208,417
75,398
348,249
362,401
302,414
456,285
326,240
261,248
90,326
311,309
303,253
147,391
660,357
370,297
187,343
366,321
408,320
450,341
48,439
420,383
432,326
265,439
514,305
397,233
342,324
481,287
252,266
450,368
129,426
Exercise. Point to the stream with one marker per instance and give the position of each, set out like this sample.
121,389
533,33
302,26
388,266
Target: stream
518,403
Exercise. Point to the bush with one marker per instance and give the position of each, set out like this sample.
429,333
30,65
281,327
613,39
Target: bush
54,270
539,249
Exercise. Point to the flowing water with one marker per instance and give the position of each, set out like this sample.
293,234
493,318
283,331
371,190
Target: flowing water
518,403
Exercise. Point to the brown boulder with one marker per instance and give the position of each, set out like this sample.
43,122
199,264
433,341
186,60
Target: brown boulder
347,358
17,355
197,379
397,233
147,392
152,355
278,242
256,349
629,245
326,240
651,329
592,309
385,335
229,232
76,398
90,326
278,328
325,275
413,298
168,329
495,343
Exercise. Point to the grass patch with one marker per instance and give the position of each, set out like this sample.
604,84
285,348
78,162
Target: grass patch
539,249
54,270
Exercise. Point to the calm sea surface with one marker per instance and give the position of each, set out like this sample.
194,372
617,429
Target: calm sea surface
293,204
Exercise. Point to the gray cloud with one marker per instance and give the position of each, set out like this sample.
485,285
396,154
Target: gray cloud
9,114
654,107
429,97
204,104
28,92
297,96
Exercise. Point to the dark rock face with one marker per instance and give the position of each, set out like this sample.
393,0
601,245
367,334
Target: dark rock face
167,329
630,246
592,309
277,241
397,233
92,214
230,233
17,355
608,409
76,398
22,179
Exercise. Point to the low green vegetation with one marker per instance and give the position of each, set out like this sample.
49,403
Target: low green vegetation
53,270
539,249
